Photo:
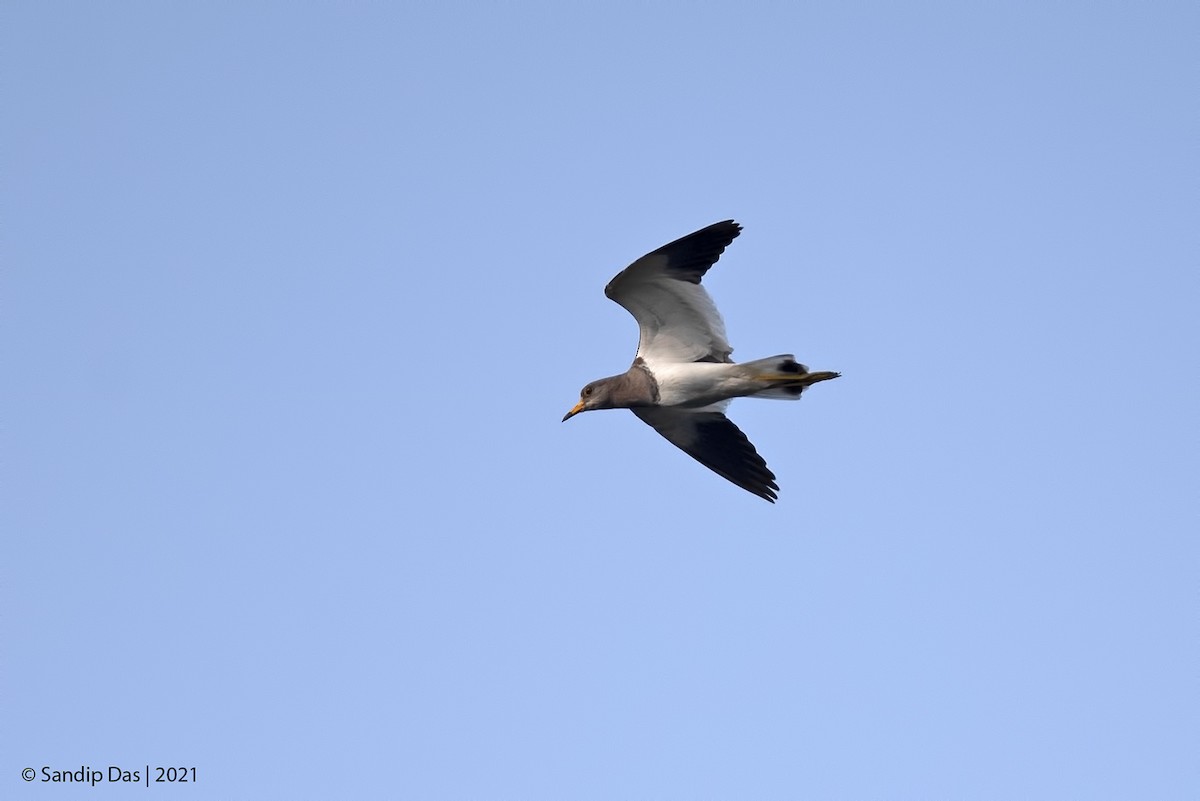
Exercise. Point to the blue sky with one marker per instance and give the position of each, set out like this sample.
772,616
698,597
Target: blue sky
295,296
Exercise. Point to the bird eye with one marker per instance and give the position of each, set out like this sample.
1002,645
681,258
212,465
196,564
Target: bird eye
587,391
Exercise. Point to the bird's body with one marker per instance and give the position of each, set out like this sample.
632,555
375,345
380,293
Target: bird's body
692,385
682,377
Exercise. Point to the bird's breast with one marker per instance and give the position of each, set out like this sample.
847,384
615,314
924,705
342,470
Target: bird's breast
694,384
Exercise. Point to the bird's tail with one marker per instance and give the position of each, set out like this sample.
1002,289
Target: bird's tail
782,377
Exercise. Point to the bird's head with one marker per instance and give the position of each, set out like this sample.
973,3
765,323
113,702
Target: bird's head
596,395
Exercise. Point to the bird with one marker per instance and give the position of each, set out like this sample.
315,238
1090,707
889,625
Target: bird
682,377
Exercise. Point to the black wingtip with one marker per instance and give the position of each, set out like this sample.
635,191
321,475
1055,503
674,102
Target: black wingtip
723,448
691,256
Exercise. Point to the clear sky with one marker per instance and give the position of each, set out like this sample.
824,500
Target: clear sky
296,294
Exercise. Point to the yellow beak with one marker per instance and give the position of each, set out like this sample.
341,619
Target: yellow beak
574,411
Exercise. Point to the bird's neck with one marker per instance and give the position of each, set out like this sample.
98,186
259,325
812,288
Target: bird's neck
639,383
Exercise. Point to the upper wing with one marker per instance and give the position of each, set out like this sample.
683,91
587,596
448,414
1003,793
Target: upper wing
714,441
677,319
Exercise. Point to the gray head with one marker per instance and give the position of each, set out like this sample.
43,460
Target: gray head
634,387
603,393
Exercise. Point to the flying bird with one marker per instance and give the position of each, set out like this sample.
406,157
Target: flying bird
682,378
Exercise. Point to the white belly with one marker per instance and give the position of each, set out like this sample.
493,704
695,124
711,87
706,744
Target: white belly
700,383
